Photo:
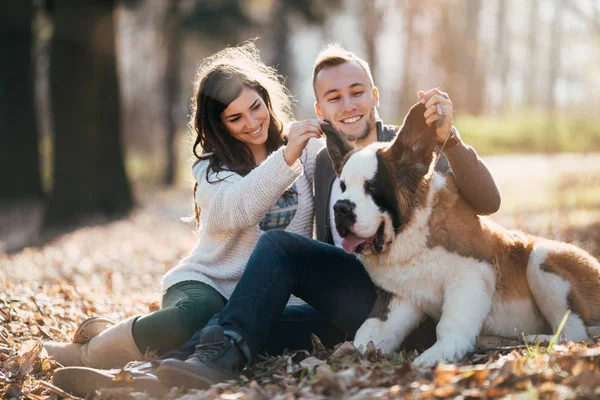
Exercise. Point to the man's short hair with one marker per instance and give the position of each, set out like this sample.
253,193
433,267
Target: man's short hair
333,55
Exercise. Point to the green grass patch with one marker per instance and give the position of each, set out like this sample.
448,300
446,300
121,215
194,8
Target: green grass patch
531,132
558,331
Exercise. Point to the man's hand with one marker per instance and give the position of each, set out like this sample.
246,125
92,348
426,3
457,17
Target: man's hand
438,110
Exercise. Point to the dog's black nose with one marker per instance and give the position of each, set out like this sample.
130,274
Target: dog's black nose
343,207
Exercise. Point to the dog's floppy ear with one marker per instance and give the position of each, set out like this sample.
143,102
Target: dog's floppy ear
338,146
415,142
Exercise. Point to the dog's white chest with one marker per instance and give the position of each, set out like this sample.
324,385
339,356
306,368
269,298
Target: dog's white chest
423,280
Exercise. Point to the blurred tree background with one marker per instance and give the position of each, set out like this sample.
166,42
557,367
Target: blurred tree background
94,94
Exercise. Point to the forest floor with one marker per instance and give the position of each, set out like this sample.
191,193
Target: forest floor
114,269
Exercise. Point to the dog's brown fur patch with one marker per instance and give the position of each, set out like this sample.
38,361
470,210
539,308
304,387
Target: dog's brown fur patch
583,272
456,227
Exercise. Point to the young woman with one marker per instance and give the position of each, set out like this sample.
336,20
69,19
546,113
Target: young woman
252,175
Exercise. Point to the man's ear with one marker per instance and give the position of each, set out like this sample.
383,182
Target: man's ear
376,96
318,110
415,142
338,147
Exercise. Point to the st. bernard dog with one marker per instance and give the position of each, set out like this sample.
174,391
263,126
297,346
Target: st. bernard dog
431,254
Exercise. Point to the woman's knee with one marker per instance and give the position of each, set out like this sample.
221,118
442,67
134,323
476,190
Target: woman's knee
201,312
194,314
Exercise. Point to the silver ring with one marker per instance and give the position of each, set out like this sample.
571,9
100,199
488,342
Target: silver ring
444,95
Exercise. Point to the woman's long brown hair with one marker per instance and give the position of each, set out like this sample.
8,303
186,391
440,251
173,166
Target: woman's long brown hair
220,80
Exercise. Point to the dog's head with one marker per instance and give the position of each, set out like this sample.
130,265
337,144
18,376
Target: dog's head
382,184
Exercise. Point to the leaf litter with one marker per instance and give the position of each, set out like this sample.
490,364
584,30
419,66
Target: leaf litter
113,270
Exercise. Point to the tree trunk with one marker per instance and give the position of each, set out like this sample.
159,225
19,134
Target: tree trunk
146,50
502,54
89,175
531,64
19,143
451,53
173,44
472,70
373,17
554,60
281,37
407,91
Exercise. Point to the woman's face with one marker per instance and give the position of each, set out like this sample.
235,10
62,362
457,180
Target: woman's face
247,118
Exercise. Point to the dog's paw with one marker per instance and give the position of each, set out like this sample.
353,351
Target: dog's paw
430,359
440,353
368,332
361,343
386,347
362,347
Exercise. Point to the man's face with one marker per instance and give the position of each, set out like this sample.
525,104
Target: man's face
345,97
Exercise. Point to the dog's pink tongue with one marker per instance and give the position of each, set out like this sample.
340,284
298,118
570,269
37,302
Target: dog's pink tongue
350,242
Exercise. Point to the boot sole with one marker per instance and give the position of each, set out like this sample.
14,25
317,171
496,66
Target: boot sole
176,377
84,382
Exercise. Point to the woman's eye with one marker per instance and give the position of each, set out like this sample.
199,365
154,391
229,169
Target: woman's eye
256,107
234,119
358,93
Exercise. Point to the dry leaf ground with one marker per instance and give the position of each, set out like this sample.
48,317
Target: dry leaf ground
114,269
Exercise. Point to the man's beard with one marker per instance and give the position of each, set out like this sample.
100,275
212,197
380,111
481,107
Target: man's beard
365,133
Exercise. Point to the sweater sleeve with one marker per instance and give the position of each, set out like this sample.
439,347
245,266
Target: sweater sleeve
473,179
232,202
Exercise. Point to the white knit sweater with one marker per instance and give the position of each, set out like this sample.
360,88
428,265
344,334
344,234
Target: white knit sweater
231,211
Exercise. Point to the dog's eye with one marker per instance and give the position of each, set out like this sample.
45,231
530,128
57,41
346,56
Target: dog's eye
343,186
369,186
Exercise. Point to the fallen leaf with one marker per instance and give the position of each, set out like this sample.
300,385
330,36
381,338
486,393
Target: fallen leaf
444,374
319,350
372,354
123,376
445,391
311,362
346,350
328,383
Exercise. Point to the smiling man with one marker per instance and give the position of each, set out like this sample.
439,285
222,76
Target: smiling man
338,290
346,95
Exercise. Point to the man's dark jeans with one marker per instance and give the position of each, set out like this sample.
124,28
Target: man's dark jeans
333,282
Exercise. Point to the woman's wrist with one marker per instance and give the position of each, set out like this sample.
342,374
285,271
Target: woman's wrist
287,158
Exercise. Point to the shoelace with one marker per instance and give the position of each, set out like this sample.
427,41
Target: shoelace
208,350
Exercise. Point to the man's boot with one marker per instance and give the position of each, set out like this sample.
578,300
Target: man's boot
217,358
84,381
113,347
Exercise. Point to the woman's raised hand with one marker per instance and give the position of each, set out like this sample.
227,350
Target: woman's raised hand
298,136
